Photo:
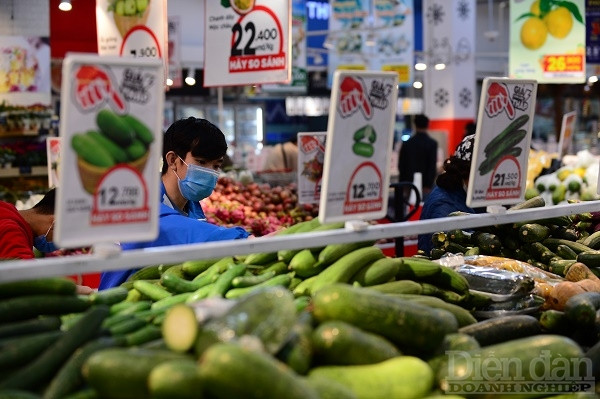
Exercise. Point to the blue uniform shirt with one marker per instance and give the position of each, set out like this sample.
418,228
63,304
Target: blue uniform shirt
439,204
174,229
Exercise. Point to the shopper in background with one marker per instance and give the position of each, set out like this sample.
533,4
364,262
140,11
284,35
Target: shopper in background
193,153
21,231
283,157
470,128
450,193
419,154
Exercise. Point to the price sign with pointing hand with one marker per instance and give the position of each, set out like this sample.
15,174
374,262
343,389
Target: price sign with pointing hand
501,147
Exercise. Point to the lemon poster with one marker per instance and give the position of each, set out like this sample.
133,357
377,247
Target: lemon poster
547,40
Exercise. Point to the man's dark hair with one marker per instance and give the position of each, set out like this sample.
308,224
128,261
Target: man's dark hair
470,128
421,121
195,135
46,204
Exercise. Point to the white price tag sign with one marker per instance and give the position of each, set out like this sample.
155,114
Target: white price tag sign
359,145
499,165
567,131
247,42
111,136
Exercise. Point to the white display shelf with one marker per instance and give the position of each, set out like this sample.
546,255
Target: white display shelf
109,257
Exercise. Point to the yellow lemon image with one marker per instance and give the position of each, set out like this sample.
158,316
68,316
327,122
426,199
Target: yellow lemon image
535,7
533,33
559,22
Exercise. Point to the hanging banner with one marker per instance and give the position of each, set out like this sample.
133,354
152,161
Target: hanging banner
247,42
132,28
547,40
592,31
111,135
504,125
360,136
449,40
392,39
24,70
567,130
174,51
347,34
299,82
311,156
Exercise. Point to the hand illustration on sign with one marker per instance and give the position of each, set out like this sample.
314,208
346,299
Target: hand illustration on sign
499,100
353,97
94,87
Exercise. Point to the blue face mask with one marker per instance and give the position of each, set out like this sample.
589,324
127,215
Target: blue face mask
42,244
198,183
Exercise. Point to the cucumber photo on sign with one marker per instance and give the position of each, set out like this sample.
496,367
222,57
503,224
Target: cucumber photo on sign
504,144
117,139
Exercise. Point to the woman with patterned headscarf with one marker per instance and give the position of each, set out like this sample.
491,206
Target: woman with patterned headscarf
450,192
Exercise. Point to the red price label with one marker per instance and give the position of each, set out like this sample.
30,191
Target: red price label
563,63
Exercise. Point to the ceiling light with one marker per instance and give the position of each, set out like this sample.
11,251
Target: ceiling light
420,66
417,84
318,59
593,79
169,82
65,5
439,67
370,40
190,79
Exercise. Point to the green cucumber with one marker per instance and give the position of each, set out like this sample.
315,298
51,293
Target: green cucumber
329,389
416,268
333,252
122,373
192,268
142,335
232,371
559,352
554,321
553,243
178,285
43,367
17,394
399,287
565,252
535,202
131,323
339,343
379,272
502,329
116,152
87,149
142,132
27,307
277,267
115,128
500,139
223,282
248,281
109,296
169,301
410,326
463,316
298,351
581,309
19,351
398,377
175,379
152,291
40,286
146,273
342,270
533,232
589,258
279,280
127,308
37,325
68,379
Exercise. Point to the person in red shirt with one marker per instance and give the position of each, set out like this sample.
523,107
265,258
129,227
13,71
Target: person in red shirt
21,231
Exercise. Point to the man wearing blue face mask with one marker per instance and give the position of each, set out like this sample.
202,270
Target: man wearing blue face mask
193,153
21,231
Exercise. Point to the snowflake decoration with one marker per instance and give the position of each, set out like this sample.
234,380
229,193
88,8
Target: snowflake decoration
463,10
465,97
435,14
441,97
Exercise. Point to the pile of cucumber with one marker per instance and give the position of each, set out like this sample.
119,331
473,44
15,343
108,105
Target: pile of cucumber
339,321
551,244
